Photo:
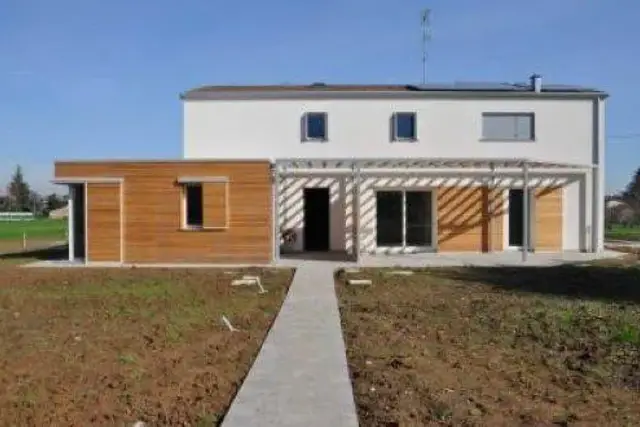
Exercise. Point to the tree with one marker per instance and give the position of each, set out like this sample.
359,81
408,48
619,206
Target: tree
631,194
19,192
53,202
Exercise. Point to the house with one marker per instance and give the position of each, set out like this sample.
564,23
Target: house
59,213
463,167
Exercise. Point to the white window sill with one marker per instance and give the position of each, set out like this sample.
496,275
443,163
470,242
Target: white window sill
506,140
315,140
410,140
200,228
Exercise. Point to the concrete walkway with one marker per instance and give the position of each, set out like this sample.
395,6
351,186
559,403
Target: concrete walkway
300,377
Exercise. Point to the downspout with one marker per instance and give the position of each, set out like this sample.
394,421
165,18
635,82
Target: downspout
525,210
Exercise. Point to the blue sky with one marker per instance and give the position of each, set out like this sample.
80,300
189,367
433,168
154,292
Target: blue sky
101,78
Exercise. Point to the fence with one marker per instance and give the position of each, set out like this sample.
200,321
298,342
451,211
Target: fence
16,216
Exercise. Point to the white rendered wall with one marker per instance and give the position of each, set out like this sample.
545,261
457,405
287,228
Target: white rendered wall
361,128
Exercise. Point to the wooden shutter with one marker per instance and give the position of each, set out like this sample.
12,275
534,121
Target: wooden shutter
215,201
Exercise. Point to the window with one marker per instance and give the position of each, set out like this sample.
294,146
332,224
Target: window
404,127
205,203
508,126
315,127
193,205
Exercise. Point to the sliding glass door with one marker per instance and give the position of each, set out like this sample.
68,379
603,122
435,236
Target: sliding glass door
404,219
389,217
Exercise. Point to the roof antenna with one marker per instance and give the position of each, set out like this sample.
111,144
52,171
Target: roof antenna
425,23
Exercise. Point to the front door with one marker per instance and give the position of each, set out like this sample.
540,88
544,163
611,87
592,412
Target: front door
316,219
403,219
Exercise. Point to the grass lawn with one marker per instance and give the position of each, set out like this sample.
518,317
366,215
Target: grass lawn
38,229
619,232
113,346
504,346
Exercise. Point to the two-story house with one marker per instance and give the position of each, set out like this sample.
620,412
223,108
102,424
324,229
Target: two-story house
354,169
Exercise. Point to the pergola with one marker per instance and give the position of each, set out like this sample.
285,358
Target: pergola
359,168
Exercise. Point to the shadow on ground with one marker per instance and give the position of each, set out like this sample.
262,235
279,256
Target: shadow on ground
59,252
614,283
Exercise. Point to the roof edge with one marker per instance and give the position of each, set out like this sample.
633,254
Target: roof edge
193,95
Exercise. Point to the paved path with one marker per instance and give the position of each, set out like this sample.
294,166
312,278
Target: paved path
300,377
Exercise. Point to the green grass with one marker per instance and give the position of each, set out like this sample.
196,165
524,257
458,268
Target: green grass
619,232
38,229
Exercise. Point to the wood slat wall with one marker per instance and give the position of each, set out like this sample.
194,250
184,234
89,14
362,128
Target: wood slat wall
548,219
469,219
103,222
214,204
153,208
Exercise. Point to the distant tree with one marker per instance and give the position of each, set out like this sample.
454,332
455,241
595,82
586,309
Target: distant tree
53,202
36,203
631,194
19,192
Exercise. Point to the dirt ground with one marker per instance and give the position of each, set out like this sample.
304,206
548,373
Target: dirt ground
495,347
113,346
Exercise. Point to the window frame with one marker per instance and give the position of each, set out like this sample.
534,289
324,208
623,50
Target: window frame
184,183
515,115
394,124
305,126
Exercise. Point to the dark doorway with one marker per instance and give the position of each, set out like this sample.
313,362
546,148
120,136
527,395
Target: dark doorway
316,219
516,217
389,218
76,191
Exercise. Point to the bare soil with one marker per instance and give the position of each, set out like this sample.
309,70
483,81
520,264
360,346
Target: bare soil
114,346
495,346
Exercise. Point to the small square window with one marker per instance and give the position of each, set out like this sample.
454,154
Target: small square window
405,127
315,127
193,205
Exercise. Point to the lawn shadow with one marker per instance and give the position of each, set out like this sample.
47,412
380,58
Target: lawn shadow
613,283
51,253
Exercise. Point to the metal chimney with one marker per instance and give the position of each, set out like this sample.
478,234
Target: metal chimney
536,82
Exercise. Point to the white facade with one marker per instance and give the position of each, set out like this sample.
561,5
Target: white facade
568,129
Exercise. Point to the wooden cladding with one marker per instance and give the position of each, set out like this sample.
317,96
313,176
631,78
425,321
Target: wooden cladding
103,222
153,208
548,219
215,203
470,219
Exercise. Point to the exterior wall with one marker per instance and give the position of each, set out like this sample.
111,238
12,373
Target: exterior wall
103,222
470,219
548,219
361,128
152,211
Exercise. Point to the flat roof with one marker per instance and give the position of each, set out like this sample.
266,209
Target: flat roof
430,89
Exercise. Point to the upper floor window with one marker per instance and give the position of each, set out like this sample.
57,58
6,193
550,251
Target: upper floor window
405,127
508,126
314,127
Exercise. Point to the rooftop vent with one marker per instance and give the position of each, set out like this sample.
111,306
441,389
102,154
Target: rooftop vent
536,82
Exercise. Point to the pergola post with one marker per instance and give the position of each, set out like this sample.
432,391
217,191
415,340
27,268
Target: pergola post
356,211
275,213
525,215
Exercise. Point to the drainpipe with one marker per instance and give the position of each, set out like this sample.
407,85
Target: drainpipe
356,211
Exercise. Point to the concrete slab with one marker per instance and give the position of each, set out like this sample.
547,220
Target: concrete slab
450,259
300,377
